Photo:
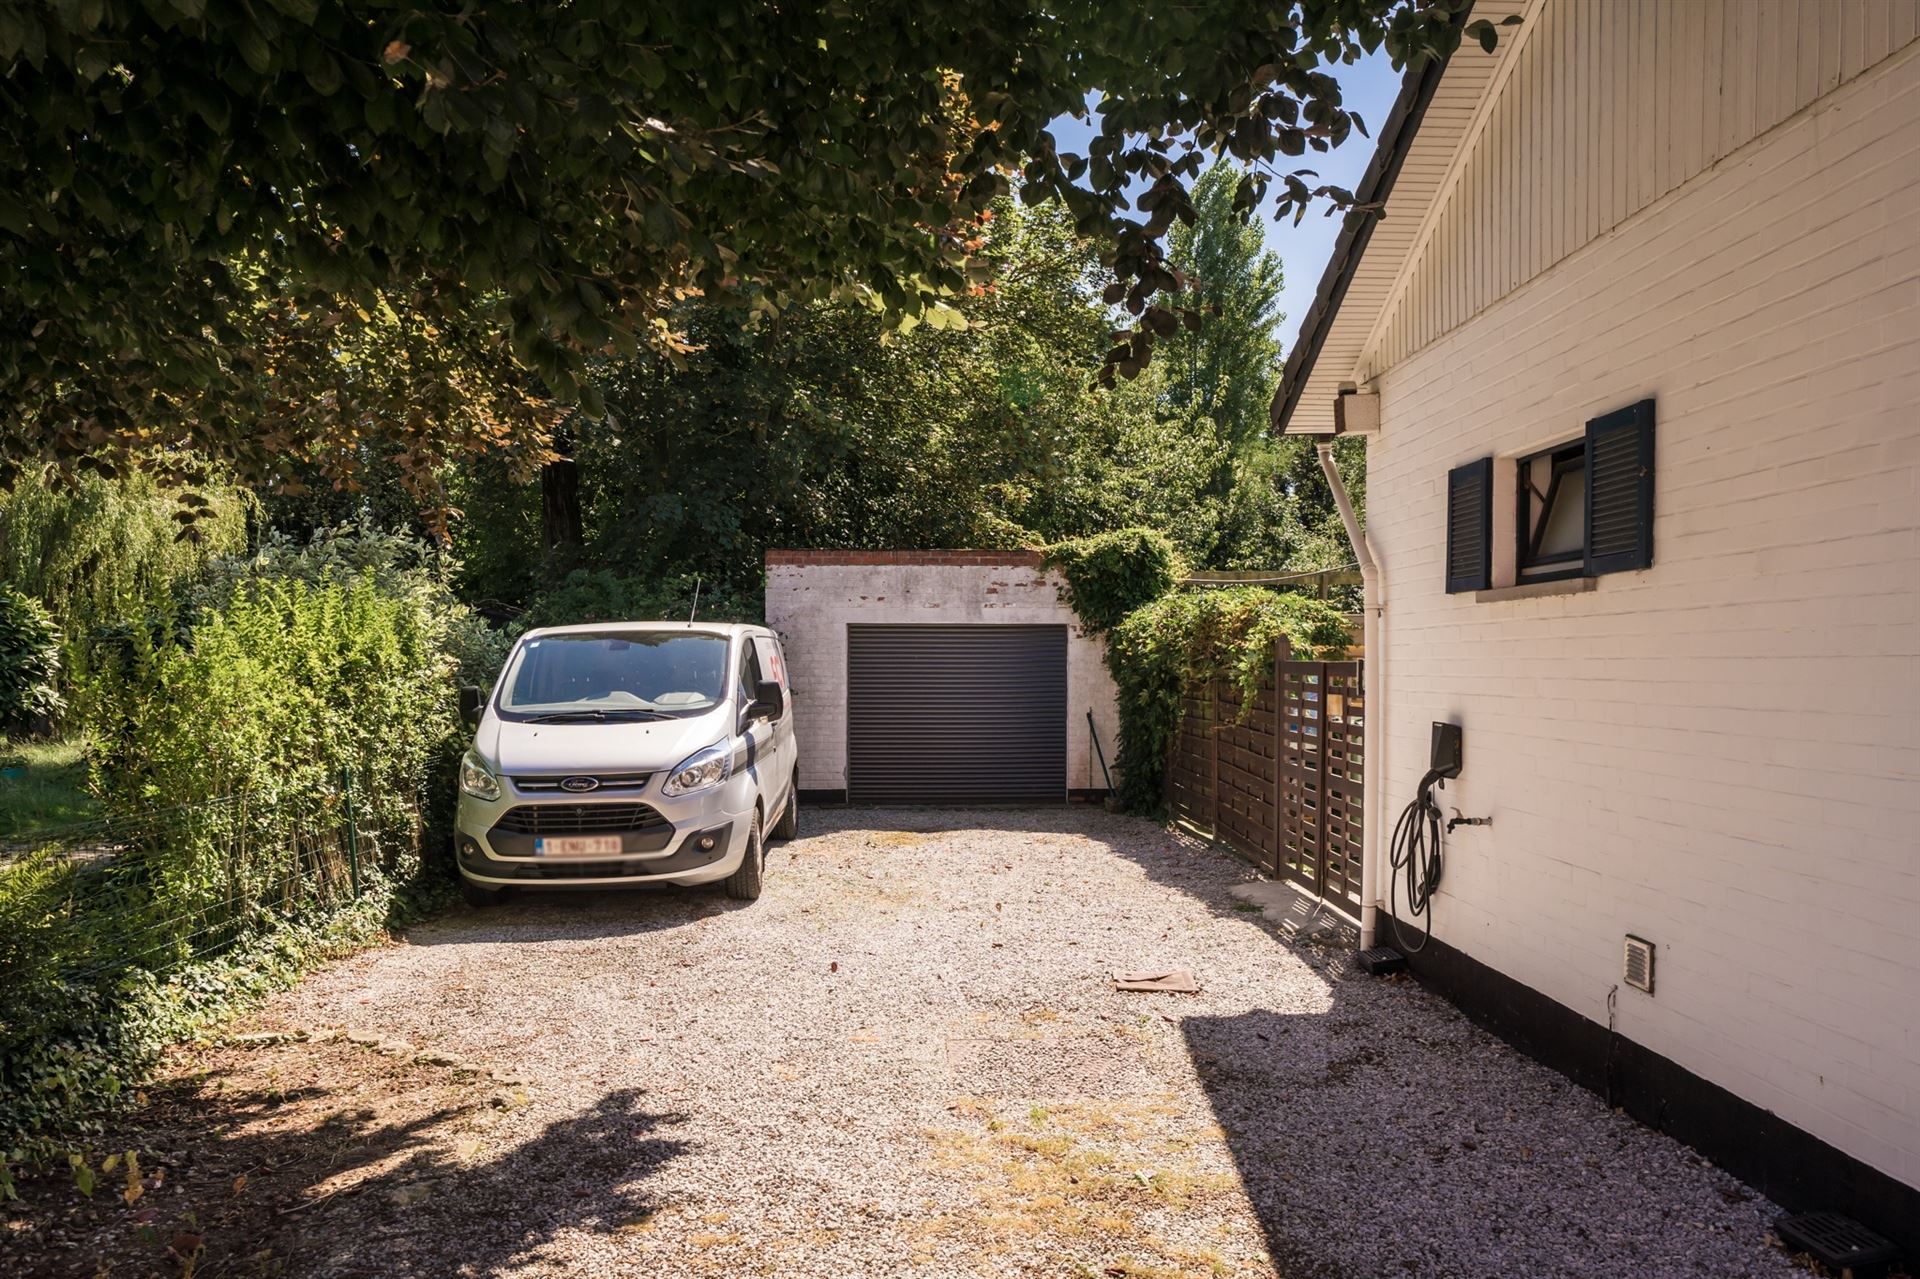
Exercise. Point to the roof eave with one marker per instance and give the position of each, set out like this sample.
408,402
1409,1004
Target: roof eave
1376,184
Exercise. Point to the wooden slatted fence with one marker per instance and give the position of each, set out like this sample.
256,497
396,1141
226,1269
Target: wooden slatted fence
1282,784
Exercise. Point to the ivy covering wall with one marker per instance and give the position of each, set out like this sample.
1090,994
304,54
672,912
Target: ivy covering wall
1162,640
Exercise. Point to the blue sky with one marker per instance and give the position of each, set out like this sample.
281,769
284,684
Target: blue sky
1369,87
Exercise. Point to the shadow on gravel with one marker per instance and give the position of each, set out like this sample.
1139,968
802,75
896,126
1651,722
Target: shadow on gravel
575,915
585,1173
1381,1133
259,1182
1387,1136
563,914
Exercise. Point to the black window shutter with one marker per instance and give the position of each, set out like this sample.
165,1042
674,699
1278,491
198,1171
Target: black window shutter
1620,490
1470,527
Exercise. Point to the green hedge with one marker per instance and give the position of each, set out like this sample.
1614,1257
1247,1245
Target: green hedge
274,694
223,866
96,552
1189,640
401,567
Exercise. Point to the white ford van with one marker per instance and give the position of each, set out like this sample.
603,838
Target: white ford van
629,753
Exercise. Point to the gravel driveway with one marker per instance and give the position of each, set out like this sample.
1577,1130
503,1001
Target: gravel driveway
906,1059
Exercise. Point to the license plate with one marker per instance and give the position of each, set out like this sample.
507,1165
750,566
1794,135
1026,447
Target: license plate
578,846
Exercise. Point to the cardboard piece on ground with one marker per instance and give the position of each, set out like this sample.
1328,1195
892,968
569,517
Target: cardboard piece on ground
1176,981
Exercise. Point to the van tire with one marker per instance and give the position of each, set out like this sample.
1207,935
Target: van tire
744,884
788,827
479,894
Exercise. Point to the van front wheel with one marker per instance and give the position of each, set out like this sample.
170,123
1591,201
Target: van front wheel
744,884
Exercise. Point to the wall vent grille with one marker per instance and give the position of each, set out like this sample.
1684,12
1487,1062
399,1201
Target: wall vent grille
1638,969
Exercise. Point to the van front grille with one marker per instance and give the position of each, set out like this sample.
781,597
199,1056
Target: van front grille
582,819
551,783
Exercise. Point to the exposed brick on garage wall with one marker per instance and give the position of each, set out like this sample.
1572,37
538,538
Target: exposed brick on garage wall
1721,754
811,601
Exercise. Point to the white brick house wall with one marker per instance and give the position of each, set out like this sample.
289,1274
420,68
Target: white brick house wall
812,596
1722,753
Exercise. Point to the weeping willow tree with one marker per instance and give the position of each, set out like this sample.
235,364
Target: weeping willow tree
94,550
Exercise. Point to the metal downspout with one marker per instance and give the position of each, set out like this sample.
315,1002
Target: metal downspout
1373,685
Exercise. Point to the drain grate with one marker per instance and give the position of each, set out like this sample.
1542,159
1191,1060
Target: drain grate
1838,1242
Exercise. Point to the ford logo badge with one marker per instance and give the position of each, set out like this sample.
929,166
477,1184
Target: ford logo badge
580,785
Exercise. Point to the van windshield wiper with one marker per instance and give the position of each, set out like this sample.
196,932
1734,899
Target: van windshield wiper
596,716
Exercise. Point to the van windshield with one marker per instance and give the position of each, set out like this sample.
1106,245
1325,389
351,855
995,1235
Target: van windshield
589,677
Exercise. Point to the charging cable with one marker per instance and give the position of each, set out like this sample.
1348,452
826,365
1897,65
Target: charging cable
1416,853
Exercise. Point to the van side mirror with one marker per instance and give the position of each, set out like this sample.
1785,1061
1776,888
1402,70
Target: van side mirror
470,704
769,700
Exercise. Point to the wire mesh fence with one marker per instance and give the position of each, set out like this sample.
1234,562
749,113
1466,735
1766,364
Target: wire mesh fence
159,888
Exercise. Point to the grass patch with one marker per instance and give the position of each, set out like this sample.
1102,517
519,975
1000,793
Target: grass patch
1080,1175
43,785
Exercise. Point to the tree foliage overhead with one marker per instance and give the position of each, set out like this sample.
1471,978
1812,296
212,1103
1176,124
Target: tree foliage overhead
828,428
326,229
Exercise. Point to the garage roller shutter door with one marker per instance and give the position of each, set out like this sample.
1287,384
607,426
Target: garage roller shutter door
956,714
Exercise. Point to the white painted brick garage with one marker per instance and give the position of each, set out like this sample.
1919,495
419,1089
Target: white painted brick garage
814,596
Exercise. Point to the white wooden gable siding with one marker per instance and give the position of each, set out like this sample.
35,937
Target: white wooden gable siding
1443,133
1609,105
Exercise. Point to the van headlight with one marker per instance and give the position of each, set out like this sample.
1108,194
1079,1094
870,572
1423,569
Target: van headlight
475,780
700,770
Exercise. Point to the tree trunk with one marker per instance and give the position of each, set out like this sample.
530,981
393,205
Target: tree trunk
561,530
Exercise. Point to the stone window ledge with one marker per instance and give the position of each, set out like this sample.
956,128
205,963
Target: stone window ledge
1533,590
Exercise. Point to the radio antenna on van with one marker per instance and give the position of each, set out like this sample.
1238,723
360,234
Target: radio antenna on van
696,602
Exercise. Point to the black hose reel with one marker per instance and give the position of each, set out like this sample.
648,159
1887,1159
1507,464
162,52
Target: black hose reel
1415,855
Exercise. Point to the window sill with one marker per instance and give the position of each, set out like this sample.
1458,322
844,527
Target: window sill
1533,590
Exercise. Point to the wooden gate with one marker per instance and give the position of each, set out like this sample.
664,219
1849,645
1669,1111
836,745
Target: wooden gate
1281,784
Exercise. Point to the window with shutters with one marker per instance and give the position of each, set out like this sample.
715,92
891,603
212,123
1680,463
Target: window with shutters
1581,508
